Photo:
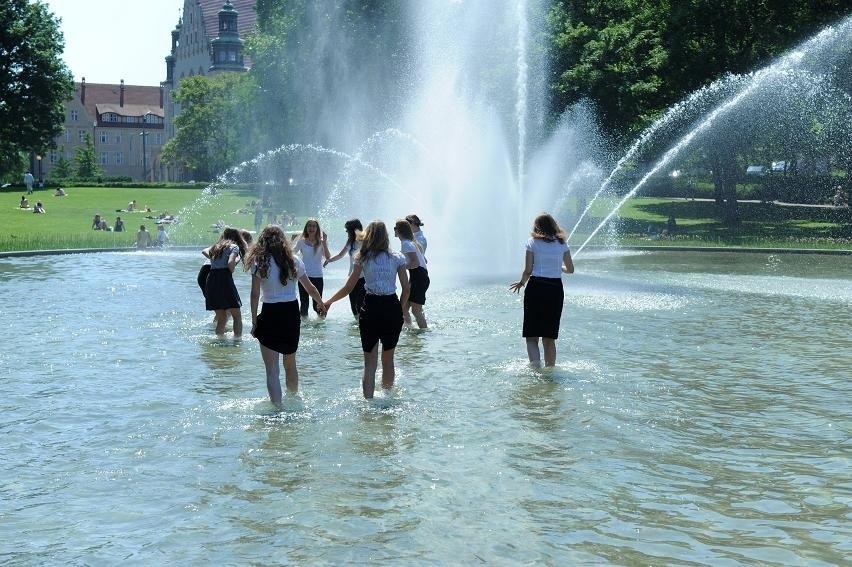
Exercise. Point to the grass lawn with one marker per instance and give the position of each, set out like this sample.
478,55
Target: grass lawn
68,221
698,224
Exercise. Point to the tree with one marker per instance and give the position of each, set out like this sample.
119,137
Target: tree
216,124
86,160
36,82
63,167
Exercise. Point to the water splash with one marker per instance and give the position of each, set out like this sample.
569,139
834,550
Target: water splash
820,48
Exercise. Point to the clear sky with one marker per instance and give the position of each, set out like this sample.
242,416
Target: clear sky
110,40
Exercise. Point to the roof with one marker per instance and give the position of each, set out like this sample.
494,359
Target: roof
246,16
134,95
130,109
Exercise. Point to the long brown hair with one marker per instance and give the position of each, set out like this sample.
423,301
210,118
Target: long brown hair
374,241
546,228
272,243
229,236
318,233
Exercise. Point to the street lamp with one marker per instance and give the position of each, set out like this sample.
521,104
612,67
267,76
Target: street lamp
144,135
38,159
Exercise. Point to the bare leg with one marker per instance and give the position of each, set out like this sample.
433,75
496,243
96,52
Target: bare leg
273,372
549,351
417,310
238,321
406,316
221,318
371,363
388,371
533,352
291,373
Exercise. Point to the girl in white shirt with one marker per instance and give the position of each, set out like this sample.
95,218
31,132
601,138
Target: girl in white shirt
275,272
380,318
313,247
418,276
547,256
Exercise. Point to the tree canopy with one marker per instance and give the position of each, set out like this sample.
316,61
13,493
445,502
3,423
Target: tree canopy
36,82
635,58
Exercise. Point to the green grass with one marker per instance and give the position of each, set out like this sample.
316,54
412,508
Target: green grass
699,224
68,221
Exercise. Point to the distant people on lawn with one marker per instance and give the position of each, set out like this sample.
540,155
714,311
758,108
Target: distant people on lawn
25,203
28,181
143,238
60,192
39,208
119,225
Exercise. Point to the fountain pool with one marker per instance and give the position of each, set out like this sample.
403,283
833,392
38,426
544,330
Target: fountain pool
699,414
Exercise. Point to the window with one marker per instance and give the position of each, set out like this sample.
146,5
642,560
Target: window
104,158
118,138
158,138
118,158
104,137
67,135
81,135
53,156
75,115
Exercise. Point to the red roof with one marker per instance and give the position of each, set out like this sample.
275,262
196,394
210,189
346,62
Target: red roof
134,96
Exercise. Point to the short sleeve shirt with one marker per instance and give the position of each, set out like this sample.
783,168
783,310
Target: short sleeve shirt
380,272
221,261
312,257
409,246
547,257
271,289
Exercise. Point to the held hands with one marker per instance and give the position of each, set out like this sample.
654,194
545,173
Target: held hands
325,307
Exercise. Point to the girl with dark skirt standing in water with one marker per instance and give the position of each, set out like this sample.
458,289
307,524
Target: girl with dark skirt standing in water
220,293
547,256
313,247
418,276
356,296
276,273
380,318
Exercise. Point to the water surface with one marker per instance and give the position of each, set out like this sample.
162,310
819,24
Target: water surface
699,414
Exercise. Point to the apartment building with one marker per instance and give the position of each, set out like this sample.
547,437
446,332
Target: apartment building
129,124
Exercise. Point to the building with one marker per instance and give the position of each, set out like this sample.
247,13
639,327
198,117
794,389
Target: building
206,40
129,124
125,122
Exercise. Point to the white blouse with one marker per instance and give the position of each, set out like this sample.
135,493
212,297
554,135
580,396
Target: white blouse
547,257
380,272
271,290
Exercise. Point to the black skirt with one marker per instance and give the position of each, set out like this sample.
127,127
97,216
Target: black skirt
543,300
380,319
419,279
356,296
220,291
278,326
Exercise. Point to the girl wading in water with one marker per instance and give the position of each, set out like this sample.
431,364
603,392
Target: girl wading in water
547,256
220,293
356,296
275,272
313,247
418,276
380,318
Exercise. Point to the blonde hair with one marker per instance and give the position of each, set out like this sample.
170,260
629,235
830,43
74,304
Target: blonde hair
272,243
546,228
374,241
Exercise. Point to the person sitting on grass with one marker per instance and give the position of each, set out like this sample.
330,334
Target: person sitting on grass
60,192
25,203
39,208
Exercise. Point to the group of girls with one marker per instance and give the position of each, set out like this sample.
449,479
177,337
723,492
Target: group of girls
279,269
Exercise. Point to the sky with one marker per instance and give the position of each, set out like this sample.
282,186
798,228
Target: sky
103,45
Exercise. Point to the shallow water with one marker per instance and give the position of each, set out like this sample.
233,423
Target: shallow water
699,414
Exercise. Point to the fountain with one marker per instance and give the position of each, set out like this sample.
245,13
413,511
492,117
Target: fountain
698,414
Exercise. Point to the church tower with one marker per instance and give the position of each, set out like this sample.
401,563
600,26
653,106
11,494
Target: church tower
227,48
